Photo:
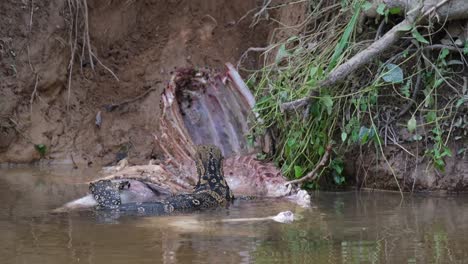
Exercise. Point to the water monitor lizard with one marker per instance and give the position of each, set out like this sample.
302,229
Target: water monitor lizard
210,191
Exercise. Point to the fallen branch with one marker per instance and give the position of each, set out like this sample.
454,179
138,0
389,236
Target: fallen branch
458,9
373,51
313,174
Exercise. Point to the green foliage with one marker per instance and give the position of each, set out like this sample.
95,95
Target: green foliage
411,124
282,53
418,36
41,149
337,167
394,74
345,38
366,6
405,28
438,152
349,113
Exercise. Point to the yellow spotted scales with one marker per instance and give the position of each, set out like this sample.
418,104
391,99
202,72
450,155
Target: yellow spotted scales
211,190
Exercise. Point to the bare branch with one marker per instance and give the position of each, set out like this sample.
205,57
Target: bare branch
313,174
371,52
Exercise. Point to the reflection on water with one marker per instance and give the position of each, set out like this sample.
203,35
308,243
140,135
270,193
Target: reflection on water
342,228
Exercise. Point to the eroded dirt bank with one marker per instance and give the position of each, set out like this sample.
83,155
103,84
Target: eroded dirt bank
140,41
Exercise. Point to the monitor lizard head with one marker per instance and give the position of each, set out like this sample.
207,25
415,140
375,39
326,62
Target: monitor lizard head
209,163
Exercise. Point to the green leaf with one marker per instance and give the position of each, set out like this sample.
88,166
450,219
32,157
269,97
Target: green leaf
447,152
394,74
41,148
460,102
291,142
381,9
405,89
431,116
465,49
321,150
443,53
363,106
282,53
328,103
338,179
438,82
416,137
405,28
337,165
343,136
313,73
344,39
405,53
261,156
365,134
411,124
366,6
440,164
418,36
298,171
461,151
250,140
394,10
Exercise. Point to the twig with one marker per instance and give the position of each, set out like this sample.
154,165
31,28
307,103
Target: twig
73,43
313,174
86,30
416,168
441,3
263,10
380,29
112,107
105,67
73,161
242,57
386,160
417,86
33,95
296,104
29,58
31,17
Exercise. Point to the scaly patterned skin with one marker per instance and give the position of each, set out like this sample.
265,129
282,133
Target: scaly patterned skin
211,190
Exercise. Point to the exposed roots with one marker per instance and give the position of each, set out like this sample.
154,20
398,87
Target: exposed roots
79,36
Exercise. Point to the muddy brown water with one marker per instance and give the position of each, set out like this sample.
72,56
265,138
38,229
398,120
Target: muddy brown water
345,227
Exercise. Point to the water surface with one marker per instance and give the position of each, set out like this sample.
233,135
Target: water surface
346,227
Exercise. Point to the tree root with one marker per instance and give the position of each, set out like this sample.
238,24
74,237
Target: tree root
112,107
78,9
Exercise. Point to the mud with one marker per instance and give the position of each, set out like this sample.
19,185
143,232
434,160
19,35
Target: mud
368,169
140,41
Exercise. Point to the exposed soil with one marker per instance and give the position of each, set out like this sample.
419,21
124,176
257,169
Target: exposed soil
140,41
